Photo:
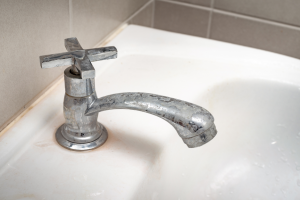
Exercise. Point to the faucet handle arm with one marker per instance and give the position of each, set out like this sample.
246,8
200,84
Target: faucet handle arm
95,54
60,59
72,44
104,53
79,58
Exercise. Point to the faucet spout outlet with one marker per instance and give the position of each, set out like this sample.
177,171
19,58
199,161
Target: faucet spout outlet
82,131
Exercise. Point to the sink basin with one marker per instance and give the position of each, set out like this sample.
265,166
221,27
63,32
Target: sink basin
254,96
256,153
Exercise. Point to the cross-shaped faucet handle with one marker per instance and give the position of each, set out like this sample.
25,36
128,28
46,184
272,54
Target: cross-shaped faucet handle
80,59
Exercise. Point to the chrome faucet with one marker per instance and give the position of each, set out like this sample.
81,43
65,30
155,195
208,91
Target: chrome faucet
82,131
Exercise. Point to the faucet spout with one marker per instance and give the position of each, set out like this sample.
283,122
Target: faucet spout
194,124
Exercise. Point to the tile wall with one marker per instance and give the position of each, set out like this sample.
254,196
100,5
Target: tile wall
272,25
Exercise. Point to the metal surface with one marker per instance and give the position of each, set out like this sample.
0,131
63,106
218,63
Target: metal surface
80,146
81,131
194,124
72,44
76,86
78,58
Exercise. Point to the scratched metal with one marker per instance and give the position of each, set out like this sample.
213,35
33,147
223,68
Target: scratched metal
194,124
80,59
75,86
81,131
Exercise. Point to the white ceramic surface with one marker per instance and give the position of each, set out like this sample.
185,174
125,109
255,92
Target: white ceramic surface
254,96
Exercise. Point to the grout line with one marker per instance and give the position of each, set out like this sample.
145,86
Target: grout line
138,11
124,23
210,18
112,35
236,15
153,15
257,19
186,4
70,18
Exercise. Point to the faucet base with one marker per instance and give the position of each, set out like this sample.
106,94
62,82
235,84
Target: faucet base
84,146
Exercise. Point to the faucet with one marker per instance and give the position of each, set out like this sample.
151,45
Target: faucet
82,131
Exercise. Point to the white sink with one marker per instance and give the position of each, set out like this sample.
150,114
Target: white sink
254,96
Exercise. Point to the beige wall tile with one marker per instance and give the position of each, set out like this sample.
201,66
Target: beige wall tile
28,29
145,17
196,2
181,19
287,11
94,19
256,34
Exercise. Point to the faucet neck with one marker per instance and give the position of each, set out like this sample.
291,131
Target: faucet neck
76,86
